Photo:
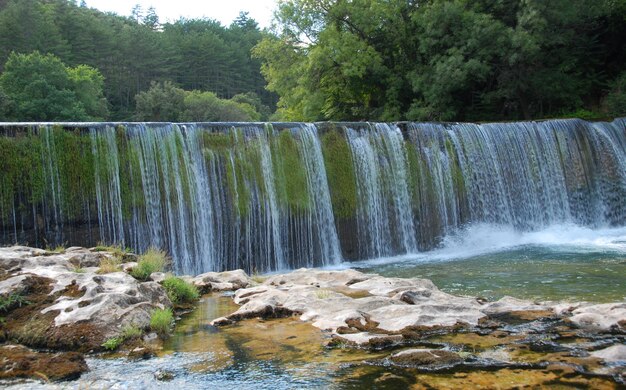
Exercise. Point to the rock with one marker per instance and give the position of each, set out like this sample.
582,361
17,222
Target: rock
607,316
141,353
127,267
513,309
221,281
425,357
74,310
158,276
613,354
17,361
163,375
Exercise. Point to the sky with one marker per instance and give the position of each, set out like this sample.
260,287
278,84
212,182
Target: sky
225,11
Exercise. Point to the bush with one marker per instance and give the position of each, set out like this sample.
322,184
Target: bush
151,261
129,332
180,291
161,321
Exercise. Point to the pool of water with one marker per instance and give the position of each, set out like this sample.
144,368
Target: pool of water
563,262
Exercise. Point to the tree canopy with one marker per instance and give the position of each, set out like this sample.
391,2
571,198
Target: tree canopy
443,59
40,87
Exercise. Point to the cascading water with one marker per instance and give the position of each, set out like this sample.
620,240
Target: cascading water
265,197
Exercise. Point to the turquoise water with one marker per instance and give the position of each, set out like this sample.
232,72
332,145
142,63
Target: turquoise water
563,262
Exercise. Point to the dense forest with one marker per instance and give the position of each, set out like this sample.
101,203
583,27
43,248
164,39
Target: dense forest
442,60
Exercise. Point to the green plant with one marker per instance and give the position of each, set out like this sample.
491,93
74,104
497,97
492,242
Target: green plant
57,249
8,303
78,270
180,291
131,332
161,321
113,343
108,265
152,261
322,294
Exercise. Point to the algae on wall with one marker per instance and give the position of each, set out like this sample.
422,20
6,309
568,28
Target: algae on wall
340,173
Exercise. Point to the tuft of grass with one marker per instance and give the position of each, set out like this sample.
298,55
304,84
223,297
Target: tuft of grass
152,261
59,249
11,301
113,343
131,332
161,321
322,294
79,270
180,291
128,333
108,265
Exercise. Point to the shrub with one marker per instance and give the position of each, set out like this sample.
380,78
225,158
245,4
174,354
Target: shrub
151,261
131,332
180,291
616,99
161,321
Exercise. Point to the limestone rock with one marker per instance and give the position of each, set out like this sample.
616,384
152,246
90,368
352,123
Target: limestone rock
221,281
425,357
606,316
613,354
75,308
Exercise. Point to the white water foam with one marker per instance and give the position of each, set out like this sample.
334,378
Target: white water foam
484,239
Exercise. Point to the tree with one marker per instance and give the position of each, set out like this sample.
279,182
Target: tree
616,99
163,102
41,88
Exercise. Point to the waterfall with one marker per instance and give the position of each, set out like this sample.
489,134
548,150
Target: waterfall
267,197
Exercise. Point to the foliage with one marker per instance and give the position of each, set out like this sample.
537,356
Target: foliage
161,321
207,107
196,54
41,88
442,59
153,260
616,99
11,301
163,102
113,343
128,333
180,291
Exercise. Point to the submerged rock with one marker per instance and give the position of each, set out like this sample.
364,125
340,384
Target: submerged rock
17,361
426,357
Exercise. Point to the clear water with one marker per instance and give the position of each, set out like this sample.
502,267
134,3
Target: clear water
562,262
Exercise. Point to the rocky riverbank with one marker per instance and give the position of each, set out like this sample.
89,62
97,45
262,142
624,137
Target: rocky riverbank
61,305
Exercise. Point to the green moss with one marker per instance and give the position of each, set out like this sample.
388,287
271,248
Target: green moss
289,173
413,171
217,141
131,185
75,164
340,172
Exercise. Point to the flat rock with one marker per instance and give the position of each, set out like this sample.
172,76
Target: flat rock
613,354
607,316
220,281
425,357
